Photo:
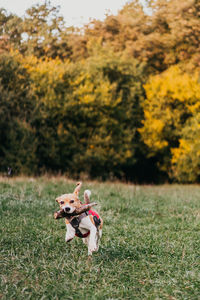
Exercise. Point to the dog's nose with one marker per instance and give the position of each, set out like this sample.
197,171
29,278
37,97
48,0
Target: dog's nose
66,209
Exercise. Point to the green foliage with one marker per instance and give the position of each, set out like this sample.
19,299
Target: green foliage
87,114
16,108
75,98
149,248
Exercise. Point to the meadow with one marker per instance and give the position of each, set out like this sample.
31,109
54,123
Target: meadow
150,246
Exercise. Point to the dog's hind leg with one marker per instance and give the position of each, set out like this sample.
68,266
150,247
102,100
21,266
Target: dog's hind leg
99,235
86,240
92,244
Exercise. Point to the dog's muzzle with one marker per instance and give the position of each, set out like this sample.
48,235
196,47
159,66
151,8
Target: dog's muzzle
67,209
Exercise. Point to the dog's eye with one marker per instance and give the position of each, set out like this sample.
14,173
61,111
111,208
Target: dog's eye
71,201
61,202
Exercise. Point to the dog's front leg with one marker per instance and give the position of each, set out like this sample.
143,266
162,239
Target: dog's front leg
70,234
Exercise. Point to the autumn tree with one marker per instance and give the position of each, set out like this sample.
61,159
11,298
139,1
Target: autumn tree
17,139
10,34
160,34
186,157
87,113
171,113
115,98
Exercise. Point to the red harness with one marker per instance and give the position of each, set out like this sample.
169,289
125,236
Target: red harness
83,235
87,213
93,213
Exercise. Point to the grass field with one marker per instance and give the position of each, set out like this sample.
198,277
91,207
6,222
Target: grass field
150,247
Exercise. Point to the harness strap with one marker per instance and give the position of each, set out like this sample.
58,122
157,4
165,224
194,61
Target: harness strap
75,224
96,218
76,221
80,235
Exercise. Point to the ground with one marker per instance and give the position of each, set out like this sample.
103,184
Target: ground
150,246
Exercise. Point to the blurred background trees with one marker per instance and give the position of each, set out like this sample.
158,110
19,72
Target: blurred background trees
116,99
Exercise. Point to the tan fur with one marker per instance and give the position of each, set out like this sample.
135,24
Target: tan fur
101,225
66,198
92,220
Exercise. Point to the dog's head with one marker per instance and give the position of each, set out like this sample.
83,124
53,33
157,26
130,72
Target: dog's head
69,202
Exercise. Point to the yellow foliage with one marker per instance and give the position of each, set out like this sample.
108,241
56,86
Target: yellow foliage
152,133
174,84
173,98
186,157
183,149
88,89
51,79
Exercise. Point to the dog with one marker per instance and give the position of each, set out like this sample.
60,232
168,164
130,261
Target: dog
88,225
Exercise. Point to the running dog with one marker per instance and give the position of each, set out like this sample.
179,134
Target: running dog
80,220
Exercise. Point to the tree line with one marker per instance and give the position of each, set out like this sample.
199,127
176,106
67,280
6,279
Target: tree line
118,98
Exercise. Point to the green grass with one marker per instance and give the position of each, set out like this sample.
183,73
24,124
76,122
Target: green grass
150,246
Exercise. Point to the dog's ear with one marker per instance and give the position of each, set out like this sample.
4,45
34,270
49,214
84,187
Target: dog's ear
77,189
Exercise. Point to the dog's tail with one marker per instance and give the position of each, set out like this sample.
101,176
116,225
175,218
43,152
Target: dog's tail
87,195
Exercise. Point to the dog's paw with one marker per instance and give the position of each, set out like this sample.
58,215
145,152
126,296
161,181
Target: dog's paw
55,215
92,249
68,240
